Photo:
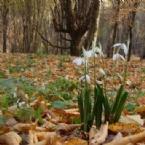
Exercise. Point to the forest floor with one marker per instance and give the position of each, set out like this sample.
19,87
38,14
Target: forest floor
38,100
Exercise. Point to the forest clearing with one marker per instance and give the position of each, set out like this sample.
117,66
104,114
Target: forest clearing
72,72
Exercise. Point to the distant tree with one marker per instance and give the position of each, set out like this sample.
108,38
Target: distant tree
77,19
4,9
116,10
131,17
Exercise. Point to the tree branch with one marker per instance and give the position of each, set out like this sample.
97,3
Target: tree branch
47,41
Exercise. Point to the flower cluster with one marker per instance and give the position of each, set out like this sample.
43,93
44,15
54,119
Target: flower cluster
117,47
95,52
93,102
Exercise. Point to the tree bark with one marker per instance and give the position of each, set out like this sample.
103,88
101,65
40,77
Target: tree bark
130,27
114,33
5,11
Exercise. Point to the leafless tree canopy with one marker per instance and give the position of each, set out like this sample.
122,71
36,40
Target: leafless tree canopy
65,26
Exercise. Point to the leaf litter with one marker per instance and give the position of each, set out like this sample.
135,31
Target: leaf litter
38,103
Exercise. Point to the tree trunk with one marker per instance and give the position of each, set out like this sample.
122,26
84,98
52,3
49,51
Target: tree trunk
130,28
4,34
75,48
5,24
114,34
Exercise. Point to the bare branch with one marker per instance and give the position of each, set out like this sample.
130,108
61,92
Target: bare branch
47,41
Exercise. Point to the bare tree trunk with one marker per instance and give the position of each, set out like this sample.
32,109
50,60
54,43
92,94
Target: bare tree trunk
130,27
80,17
75,48
114,33
5,11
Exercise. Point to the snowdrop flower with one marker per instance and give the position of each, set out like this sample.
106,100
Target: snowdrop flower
79,61
117,45
117,56
85,78
124,47
121,46
88,53
99,82
99,51
102,72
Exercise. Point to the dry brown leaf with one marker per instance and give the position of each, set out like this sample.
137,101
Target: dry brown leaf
11,122
76,141
129,139
48,138
73,112
23,127
136,119
10,138
126,129
63,127
92,133
32,137
49,126
141,110
100,135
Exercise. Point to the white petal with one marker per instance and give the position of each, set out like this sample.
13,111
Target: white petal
121,46
117,45
88,53
99,82
125,49
117,56
98,50
79,61
85,78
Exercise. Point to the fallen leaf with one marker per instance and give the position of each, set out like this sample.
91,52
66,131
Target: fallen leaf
100,135
10,138
75,141
128,139
132,119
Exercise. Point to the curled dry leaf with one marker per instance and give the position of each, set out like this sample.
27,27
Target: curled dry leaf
129,139
100,135
141,111
73,112
10,138
45,138
132,119
40,102
23,127
67,128
126,129
141,100
11,122
49,126
66,115
92,133
76,141
32,138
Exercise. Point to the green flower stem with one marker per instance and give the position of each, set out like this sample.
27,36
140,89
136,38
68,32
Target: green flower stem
125,72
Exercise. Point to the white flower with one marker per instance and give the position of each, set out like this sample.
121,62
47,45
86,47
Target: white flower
117,56
79,61
88,53
99,82
117,45
102,72
99,51
124,47
121,46
85,78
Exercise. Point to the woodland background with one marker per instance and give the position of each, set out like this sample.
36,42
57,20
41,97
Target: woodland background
37,25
